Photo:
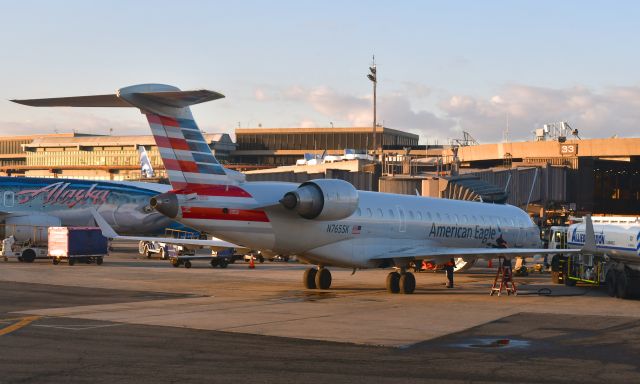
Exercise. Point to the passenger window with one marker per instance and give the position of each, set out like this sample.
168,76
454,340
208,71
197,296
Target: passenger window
358,212
411,217
391,213
369,212
379,212
419,216
429,215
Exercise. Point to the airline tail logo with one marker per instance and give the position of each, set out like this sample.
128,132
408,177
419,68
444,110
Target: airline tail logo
185,153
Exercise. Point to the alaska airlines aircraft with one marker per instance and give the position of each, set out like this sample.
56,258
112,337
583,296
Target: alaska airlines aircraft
325,222
54,202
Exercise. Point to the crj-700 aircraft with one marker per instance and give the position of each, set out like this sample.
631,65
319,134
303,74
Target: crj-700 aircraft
325,222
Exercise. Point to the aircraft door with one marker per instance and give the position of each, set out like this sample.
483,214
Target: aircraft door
402,220
8,199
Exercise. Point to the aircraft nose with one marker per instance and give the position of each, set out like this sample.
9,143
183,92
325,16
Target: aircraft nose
166,203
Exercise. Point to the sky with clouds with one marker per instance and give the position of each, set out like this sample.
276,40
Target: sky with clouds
443,66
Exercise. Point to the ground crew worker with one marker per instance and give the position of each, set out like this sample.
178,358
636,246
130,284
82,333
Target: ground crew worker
448,268
7,245
502,243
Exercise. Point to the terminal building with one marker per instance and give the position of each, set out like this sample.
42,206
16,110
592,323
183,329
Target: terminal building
595,175
283,146
85,156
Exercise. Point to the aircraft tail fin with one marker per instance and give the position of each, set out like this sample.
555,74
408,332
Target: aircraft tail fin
146,169
182,146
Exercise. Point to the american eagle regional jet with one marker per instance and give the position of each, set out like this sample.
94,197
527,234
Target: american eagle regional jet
325,222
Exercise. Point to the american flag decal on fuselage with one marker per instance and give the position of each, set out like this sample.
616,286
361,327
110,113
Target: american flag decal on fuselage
185,153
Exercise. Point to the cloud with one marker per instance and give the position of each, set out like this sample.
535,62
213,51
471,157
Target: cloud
260,94
394,111
613,110
64,120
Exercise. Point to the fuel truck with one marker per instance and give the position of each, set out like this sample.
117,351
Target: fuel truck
615,261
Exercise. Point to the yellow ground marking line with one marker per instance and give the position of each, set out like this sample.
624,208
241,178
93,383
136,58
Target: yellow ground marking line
20,324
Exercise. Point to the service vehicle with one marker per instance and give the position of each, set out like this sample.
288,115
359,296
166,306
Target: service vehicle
24,242
616,261
81,244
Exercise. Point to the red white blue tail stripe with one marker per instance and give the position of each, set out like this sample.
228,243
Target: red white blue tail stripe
185,153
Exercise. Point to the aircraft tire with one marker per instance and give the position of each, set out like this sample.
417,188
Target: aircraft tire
187,264
309,278
611,282
407,283
323,279
393,282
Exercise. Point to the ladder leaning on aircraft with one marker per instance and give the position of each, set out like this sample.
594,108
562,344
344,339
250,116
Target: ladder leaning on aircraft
325,222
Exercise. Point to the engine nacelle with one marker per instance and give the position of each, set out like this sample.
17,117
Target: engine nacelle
323,199
29,227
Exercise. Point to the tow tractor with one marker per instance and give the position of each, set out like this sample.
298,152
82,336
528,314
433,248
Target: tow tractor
24,242
179,254
148,248
616,263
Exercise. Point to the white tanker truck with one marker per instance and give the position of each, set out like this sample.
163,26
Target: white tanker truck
615,263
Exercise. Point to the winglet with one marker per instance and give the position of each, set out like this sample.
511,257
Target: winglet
590,235
106,229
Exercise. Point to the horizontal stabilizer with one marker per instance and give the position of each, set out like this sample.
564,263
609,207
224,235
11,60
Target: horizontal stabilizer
77,101
174,99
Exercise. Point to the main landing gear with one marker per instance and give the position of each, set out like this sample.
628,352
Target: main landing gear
401,282
319,278
397,281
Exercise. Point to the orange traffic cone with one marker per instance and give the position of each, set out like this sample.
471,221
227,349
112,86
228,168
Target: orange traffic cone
252,265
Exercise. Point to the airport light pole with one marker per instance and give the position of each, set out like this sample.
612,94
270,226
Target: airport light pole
373,76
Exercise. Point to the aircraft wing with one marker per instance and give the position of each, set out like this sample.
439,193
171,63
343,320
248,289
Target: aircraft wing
442,254
109,232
